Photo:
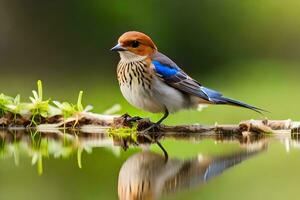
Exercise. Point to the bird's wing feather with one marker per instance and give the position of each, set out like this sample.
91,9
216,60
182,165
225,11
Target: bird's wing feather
171,74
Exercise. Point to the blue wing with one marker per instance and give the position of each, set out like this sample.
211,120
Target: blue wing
171,74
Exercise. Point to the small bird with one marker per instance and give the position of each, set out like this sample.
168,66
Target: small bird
147,175
151,81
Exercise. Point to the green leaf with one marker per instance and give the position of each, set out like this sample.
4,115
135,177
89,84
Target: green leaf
79,103
40,89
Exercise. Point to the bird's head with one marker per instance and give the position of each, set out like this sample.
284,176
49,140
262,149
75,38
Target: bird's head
134,45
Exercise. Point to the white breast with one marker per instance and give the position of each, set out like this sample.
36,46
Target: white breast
141,98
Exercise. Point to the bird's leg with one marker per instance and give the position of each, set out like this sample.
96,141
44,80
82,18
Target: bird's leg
164,151
166,114
163,118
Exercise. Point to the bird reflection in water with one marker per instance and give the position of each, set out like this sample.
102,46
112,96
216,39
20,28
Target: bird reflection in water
148,175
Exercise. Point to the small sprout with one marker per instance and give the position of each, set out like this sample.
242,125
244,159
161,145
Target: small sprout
79,102
4,102
17,99
66,108
17,108
69,109
40,89
38,107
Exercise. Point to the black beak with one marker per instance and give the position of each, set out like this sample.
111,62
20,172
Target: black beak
118,47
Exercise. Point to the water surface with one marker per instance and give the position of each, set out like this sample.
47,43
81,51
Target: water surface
77,165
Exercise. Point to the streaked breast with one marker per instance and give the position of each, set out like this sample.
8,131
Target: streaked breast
135,80
134,74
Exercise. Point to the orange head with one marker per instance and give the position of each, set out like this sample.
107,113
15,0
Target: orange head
135,42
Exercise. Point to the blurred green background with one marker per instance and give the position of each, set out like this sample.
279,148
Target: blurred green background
249,50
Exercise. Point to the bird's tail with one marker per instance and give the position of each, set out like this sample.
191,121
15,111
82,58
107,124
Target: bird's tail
217,98
228,101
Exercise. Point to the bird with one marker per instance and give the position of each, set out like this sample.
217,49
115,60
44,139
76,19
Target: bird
151,81
147,175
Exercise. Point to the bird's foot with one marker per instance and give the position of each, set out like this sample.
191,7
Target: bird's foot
134,119
128,118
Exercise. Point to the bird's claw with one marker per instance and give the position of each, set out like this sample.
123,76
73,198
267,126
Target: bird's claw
134,119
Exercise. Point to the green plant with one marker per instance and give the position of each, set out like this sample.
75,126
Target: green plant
66,108
124,133
69,109
4,102
38,107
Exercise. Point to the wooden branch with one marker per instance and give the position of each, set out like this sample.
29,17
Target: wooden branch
97,121
245,127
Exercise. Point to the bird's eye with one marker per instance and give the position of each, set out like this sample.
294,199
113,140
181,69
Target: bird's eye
135,44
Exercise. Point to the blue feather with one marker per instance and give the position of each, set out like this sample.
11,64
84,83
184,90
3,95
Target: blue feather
164,70
211,93
172,75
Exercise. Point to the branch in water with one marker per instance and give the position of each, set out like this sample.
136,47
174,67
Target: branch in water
125,121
